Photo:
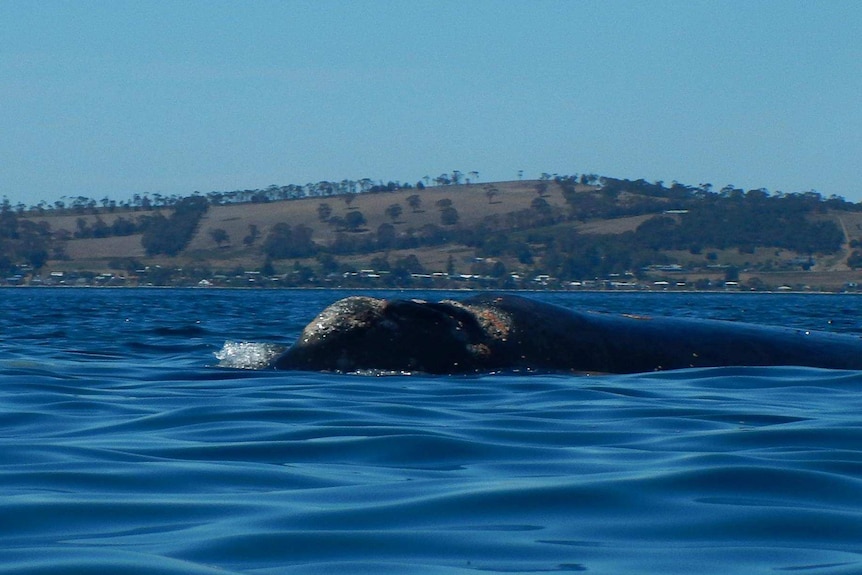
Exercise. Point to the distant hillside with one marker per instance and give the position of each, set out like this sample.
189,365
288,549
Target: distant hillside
472,202
554,232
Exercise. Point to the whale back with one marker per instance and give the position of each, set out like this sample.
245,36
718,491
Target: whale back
507,332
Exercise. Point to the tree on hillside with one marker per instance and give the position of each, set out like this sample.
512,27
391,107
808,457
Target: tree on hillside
22,240
324,211
170,236
449,216
219,236
540,204
855,260
101,229
337,222
253,234
415,202
354,220
386,236
542,189
157,237
284,242
123,227
83,230
491,192
328,263
393,211
267,268
410,263
404,267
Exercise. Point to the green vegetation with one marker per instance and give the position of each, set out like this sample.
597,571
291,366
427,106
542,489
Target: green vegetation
559,231
21,241
170,235
282,242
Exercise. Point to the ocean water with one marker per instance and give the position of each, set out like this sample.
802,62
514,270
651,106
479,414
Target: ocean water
125,449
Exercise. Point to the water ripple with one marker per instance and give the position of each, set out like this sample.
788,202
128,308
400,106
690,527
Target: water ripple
124,452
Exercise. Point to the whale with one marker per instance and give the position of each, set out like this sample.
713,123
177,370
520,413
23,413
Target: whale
504,332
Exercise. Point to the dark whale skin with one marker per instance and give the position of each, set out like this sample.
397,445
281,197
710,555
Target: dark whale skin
493,332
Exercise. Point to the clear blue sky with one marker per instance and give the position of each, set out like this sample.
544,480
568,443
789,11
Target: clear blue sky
111,98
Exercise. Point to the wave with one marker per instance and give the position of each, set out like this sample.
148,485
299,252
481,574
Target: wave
125,451
271,472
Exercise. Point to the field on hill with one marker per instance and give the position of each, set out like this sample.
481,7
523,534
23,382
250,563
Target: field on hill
472,202
535,229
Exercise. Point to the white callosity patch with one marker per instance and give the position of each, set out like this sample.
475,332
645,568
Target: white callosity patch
346,314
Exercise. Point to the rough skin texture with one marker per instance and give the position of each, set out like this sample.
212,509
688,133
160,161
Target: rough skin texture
506,332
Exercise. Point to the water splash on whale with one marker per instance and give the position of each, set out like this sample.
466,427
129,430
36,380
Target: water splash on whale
248,355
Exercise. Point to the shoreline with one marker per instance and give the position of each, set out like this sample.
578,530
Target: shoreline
437,289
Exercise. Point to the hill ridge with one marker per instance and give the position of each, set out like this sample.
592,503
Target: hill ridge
498,234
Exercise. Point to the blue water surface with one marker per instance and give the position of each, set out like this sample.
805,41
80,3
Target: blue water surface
126,450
